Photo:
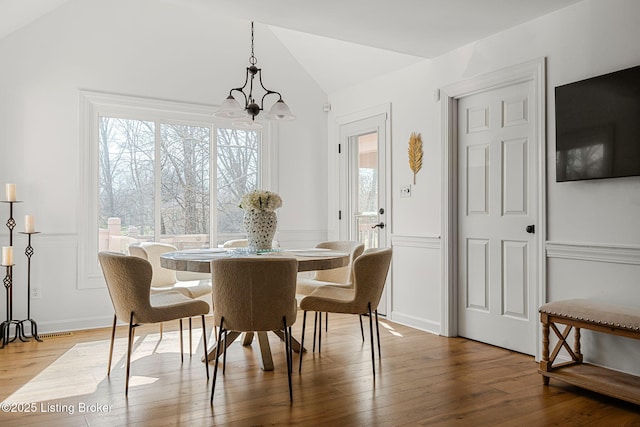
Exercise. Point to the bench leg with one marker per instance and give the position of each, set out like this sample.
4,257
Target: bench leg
544,363
576,345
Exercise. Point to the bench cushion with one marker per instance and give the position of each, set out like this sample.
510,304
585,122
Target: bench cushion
596,312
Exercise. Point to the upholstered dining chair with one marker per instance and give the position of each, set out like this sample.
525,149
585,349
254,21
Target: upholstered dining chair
192,285
129,281
236,243
254,295
342,276
369,275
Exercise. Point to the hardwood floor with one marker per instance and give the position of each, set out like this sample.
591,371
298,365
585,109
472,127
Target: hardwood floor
423,379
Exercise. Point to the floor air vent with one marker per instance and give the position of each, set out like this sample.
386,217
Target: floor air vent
56,335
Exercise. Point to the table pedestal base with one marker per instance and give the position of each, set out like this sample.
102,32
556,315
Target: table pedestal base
266,361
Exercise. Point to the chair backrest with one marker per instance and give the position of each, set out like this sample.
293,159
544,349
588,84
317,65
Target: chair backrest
254,294
370,274
129,282
236,243
343,275
151,251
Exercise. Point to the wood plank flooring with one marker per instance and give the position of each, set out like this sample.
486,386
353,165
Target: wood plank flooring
422,379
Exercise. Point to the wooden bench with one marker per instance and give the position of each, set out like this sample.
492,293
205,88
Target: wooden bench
597,316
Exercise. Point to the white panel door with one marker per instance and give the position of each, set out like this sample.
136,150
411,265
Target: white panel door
496,301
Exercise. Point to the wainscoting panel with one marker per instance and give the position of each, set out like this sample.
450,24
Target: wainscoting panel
416,276
620,254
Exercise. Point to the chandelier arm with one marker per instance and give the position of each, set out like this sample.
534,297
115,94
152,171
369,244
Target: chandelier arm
241,89
267,91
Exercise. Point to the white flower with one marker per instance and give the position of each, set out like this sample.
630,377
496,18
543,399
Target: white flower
261,200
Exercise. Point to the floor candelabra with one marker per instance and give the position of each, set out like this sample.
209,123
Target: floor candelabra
19,325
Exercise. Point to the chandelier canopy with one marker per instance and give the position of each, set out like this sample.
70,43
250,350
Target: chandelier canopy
230,108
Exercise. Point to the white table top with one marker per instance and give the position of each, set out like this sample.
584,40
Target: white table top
199,260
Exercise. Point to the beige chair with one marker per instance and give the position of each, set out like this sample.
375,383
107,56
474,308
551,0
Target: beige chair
254,295
192,285
369,275
342,276
236,243
129,282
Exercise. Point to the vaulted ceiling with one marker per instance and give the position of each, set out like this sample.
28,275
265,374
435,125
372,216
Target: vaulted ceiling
369,37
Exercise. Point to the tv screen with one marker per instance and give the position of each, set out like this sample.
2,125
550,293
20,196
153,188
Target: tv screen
598,127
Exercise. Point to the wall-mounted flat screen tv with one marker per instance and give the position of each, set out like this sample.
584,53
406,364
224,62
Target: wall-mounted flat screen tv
598,127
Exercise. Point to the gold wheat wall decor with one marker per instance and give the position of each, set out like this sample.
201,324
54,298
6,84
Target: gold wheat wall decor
415,154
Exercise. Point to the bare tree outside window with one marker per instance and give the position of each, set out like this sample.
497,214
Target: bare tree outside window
128,186
184,157
237,174
126,177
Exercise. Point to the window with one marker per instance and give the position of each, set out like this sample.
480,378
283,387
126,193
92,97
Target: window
162,171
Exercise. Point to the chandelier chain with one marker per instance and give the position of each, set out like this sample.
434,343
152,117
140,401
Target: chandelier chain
252,59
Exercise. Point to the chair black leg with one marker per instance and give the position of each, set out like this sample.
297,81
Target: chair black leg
373,362
113,337
304,324
215,367
315,325
326,322
291,348
181,346
204,343
129,349
224,355
361,328
319,332
286,342
190,345
378,334
287,348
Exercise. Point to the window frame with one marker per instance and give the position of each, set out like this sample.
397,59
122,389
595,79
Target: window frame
95,104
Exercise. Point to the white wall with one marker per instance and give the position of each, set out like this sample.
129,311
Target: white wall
140,48
590,38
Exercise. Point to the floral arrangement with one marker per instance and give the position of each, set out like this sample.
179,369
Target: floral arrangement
261,200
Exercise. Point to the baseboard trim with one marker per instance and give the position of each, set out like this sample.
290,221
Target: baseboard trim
416,322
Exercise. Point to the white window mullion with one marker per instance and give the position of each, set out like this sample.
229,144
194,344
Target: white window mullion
213,187
157,173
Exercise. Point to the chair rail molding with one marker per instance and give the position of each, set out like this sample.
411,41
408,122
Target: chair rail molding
407,240
599,252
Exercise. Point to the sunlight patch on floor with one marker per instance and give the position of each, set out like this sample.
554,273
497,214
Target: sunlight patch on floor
81,369
390,329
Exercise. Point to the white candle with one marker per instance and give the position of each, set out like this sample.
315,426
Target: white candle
10,192
7,255
29,225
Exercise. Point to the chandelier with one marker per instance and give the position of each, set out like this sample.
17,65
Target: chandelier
230,108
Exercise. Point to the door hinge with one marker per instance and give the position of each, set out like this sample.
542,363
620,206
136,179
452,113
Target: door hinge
339,215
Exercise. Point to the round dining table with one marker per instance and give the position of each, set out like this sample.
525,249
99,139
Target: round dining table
199,261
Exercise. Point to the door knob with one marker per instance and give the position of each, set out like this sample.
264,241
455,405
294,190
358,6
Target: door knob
379,225
531,229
